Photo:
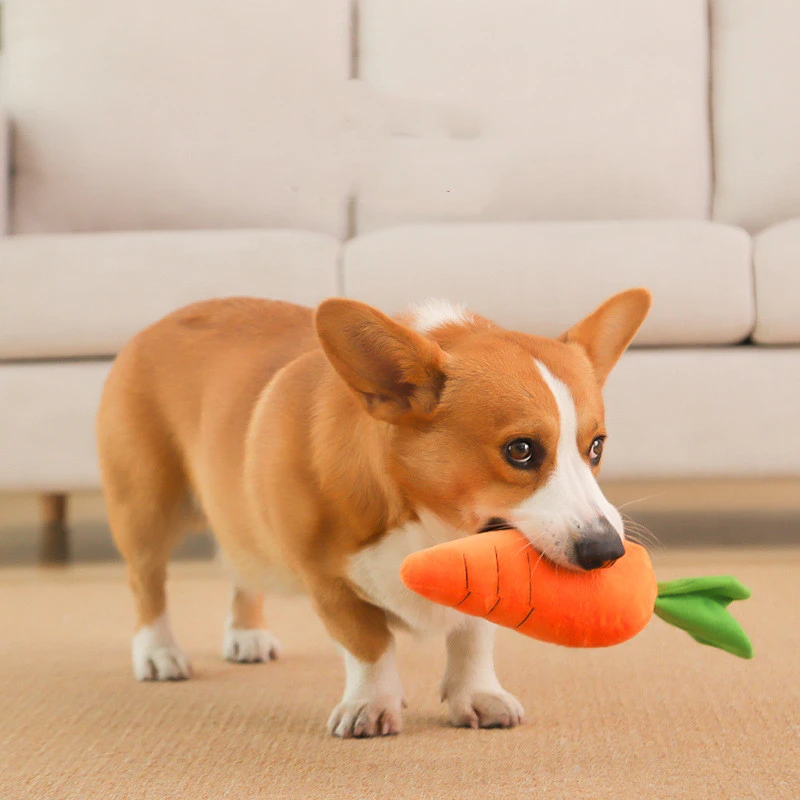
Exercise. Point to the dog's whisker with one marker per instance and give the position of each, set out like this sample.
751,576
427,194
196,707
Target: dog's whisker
639,528
636,528
632,523
650,544
641,534
526,545
642,499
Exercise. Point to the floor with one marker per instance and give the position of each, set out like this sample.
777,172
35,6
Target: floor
660,717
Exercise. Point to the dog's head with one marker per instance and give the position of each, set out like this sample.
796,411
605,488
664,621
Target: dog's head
492,427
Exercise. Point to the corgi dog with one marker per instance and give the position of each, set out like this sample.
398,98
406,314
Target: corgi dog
332,444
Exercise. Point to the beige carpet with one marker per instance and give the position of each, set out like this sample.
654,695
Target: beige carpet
658,717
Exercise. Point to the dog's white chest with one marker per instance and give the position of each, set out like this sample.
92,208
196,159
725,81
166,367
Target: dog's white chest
376,571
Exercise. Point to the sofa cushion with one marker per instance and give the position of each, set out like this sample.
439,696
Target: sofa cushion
564,126
542,277
179,114
47,427
776,256
756,67
86,294
703,412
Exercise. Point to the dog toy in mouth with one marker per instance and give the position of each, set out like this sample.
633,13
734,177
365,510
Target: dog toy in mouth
500,577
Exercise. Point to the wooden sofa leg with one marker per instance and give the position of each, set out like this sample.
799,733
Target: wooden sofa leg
55,535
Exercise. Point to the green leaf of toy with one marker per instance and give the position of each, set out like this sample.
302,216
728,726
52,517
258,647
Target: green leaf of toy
699,606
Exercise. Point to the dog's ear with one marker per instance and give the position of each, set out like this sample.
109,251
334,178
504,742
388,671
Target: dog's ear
606,333
395,371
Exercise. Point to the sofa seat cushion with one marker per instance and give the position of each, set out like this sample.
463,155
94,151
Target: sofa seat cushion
542,277
87,294
703,412
776,257
47,439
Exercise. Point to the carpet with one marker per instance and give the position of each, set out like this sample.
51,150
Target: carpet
658,717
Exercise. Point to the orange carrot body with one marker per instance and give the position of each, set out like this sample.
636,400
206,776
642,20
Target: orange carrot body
499,576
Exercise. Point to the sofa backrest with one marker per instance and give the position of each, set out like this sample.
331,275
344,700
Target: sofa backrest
200,114
756,111
581,109
176,113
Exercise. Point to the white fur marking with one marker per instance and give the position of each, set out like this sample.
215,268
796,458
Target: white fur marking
376,572
571,499
373,698
470,686
433,314
156,655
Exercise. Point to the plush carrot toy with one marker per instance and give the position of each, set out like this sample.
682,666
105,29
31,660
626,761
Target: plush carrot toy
499,576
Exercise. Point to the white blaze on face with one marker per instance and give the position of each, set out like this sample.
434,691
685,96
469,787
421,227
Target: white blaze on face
570,503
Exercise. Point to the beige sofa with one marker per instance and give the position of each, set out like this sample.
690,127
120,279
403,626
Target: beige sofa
525,157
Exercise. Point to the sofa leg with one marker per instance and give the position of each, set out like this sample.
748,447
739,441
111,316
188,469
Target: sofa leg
55,535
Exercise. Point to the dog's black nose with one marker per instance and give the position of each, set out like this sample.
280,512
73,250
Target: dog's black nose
600,547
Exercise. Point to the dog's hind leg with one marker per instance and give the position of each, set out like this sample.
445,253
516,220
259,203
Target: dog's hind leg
247,639
146,531
146,496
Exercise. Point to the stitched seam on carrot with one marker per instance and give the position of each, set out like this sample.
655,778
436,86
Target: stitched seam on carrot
489,612
466,581
497,569
524,620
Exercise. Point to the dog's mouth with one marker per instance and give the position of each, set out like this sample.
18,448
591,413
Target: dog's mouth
496,524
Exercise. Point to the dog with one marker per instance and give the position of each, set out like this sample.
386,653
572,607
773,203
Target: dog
332,444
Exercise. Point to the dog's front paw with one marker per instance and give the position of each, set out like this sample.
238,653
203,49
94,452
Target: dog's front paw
359,719
477,708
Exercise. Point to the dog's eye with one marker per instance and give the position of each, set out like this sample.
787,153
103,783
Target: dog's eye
596,451
523,453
